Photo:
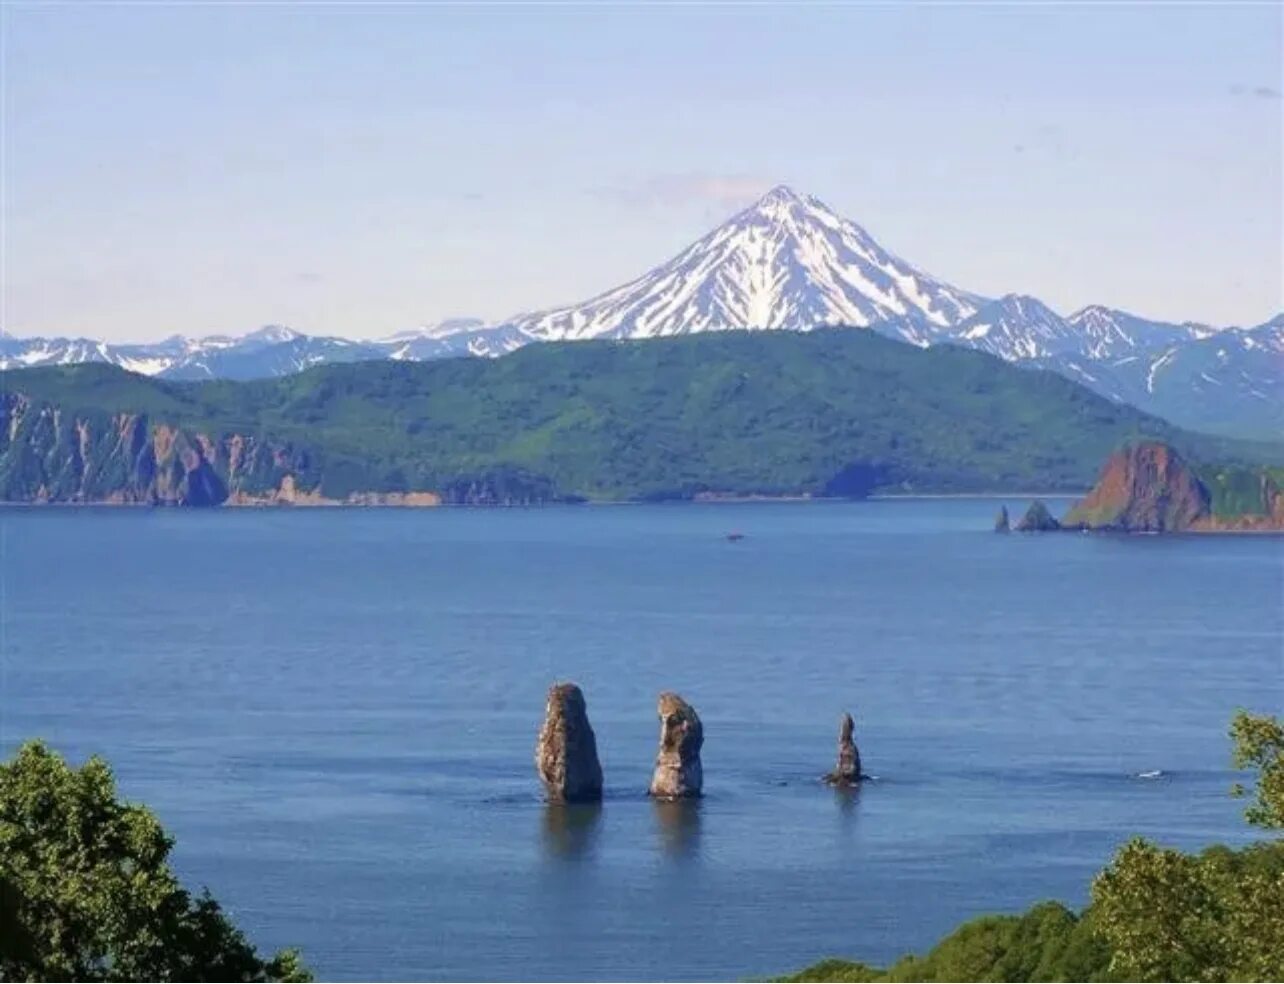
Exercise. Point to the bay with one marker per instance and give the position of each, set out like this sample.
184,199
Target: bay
334,711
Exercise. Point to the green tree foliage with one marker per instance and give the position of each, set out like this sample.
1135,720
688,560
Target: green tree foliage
87,894
1156,915
1170,916
1259,745
1047,943
1241,491
1219,915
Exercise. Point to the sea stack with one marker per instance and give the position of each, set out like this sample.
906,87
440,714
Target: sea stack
847,771
1037,519
1001,522
678,773
566,753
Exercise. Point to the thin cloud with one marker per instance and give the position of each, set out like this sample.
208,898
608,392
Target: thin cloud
1255,91
685,189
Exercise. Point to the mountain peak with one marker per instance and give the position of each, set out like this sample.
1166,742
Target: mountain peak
782,194
782,205
1094,311
271,334
1275,322
1023,305
786,262
1016,327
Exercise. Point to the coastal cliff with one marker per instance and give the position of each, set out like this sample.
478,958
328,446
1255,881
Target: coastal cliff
1149,488
51,455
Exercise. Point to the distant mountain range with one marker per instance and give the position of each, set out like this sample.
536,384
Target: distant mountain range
790,263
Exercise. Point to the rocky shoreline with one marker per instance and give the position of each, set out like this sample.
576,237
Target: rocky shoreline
1142,488
287,494
278,499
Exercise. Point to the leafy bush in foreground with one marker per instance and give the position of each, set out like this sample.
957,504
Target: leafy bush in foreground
87,894
1048,943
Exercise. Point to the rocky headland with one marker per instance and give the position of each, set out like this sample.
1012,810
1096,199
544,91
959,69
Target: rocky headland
1149,487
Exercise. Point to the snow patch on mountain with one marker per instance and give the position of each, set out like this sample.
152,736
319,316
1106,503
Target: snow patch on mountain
1106,333
1016,328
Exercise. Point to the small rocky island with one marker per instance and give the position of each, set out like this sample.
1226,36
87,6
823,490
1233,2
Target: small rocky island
847,771
1149,488
1037,519
678,772
566,752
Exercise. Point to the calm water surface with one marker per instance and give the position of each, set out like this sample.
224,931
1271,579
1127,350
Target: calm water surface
335,713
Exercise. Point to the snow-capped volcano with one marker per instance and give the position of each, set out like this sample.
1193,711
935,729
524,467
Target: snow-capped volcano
786,262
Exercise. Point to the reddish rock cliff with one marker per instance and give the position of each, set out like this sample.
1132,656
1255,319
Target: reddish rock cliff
1150,488
1145,488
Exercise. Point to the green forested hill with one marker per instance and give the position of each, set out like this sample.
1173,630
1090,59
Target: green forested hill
837,412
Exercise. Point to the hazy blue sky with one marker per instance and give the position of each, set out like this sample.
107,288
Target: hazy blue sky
365,169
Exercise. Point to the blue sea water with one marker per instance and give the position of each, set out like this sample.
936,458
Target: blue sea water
335,712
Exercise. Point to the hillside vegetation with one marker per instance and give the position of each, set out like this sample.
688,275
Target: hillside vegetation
833,412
